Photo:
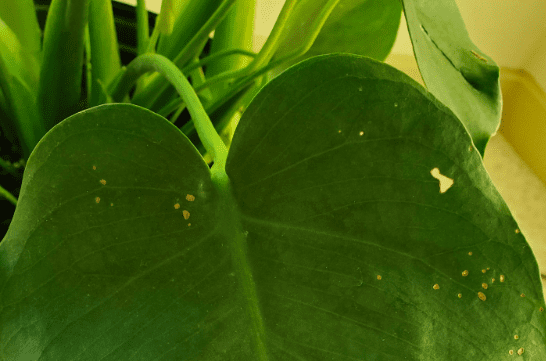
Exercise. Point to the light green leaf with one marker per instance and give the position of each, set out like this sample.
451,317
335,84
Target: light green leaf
20,16
18,61
363,27
333,238
189,19
453,68
234,32
105,60
19,104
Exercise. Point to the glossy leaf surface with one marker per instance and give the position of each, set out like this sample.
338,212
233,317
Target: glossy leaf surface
453,68
336,240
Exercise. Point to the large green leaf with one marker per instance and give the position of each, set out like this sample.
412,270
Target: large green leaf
453,68
332,185
99,260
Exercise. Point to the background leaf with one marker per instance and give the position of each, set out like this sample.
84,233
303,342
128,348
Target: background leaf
61,72
363,27
105,60
453,68
20,16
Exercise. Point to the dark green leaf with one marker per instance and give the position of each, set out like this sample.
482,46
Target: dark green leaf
331,186
61,73
19,103
331,166
453,68
99,261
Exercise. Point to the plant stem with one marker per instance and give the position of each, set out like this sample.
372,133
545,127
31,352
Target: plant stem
175,103
4,193
155,62
198,77
272,42
186,53
219,55
234,32
307,43
156,86
143,31
152,41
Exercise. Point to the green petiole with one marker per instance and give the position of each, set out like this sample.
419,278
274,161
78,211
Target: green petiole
156,87
4,193
154,62
143,31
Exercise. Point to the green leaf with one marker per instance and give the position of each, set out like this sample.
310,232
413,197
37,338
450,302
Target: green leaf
331,186
104,253
20,16
453,68
61,73
105,60
143,31
234,32
363,27
18,60
189,19
20,106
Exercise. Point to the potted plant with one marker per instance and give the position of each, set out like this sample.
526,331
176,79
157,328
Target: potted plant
348,217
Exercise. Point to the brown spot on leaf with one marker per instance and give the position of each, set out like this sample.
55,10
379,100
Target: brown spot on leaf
103,182
176,206
511,352
190,198
379,277
521,351
492,280
460,295
502,278
465,273
522,295
516,337
436,286
481,296
189,224
94,168
484,286
470,253
517,230
186,214
97,199
478,56
541,309
361,133
483,271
